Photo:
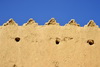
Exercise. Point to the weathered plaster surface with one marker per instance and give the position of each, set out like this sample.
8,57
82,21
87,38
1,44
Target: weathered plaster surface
49,45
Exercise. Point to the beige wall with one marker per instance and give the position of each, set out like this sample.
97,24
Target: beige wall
49,45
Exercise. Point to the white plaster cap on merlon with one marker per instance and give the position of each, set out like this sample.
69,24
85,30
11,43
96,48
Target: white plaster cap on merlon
10,22
52,21
72,22
91,23
30,22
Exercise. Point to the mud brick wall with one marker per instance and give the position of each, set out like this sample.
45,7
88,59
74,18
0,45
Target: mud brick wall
49,45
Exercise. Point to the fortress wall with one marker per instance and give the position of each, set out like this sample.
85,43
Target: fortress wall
49,45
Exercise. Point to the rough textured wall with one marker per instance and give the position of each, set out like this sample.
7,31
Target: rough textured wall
49,45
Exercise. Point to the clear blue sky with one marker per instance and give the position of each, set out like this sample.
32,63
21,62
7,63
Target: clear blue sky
42,10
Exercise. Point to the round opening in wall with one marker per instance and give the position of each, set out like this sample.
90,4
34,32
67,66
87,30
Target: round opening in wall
17,39
57,42
91,42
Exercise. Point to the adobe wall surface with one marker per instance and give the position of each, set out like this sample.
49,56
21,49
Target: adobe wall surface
49,45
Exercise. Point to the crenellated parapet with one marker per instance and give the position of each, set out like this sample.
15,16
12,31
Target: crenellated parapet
52,21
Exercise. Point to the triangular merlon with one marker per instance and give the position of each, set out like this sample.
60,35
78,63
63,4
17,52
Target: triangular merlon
30,22
10,22
91,23
72,22
52,21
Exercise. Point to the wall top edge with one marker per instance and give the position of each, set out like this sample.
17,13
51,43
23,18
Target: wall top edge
51,22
